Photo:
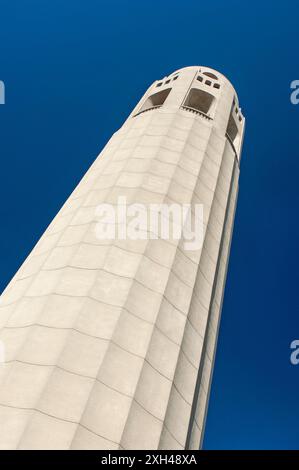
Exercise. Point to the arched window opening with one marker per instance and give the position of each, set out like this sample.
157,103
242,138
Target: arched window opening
199,100
211,75
155,100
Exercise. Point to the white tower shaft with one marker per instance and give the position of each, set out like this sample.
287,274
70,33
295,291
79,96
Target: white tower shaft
110,344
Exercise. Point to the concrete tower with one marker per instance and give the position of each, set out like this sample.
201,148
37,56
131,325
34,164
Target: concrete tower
110,344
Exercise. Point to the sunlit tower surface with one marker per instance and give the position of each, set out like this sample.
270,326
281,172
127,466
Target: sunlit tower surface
110,344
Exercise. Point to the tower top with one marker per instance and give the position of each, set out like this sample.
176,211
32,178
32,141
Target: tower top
202,91
206,72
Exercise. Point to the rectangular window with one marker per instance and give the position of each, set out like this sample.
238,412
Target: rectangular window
199,100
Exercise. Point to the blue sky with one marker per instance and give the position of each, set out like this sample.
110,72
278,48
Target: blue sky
73,71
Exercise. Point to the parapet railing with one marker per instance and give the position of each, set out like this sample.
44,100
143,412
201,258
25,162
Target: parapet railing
196,111
148,109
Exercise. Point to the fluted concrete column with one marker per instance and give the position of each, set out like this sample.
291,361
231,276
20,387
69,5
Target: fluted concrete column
109,344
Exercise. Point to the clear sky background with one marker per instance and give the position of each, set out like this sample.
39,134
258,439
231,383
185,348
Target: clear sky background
74,70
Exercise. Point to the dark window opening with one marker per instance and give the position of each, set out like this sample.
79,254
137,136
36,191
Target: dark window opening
199,79
157,99
199,100
208,82
216,85
159,84
232,129
211,75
